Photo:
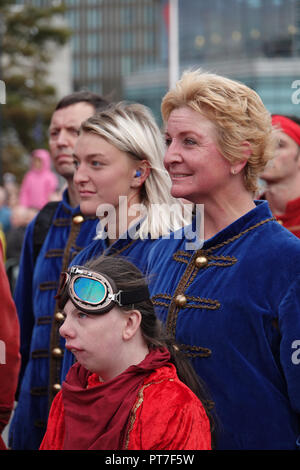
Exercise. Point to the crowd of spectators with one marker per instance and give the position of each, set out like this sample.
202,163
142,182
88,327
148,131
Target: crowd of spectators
15,215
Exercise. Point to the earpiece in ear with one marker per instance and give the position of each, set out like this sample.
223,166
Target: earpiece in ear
137,173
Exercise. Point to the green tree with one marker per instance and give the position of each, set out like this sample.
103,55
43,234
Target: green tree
30,36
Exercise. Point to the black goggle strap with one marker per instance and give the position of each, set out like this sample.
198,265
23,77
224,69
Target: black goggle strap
132,297
122,298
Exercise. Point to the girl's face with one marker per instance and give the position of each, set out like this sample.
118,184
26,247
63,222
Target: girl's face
102,173
197,168
95,340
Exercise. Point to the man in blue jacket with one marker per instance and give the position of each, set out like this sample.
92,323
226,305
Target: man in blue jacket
44,256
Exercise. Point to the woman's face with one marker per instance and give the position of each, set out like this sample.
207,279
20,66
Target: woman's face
196,167
102,173
95,340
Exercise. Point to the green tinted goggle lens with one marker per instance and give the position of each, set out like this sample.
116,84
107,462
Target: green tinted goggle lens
97,294
89,290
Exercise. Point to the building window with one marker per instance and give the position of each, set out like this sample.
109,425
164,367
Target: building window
93,42
94,67
94,18
126,65
76,68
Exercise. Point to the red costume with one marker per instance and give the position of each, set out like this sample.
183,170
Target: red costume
291,218
146,407
9,350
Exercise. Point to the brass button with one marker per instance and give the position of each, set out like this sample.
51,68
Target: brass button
78,219
280,222
57,352
59,317
201,261
180,300
56,388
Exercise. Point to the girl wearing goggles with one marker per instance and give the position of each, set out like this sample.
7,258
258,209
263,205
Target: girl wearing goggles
125,383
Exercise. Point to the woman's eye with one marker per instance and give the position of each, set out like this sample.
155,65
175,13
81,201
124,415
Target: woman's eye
168,141
95,163
189,141
76,164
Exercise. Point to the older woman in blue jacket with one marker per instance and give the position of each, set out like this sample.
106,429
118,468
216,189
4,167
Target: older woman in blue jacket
231,296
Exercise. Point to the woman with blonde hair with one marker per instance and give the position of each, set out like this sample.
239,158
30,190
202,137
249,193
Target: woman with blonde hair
233,302
119,175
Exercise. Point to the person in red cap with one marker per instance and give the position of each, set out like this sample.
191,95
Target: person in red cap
282,174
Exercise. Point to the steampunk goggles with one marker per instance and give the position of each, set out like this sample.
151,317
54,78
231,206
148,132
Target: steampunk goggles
95,293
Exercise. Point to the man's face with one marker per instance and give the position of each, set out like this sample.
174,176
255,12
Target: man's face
286,162
63,133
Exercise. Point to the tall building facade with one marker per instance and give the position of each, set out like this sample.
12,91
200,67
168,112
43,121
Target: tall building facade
254,41
120,47
111,39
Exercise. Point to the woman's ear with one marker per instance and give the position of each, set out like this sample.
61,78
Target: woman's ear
141,173
246,151
132,324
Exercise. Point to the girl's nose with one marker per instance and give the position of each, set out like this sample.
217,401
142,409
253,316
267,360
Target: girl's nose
66,330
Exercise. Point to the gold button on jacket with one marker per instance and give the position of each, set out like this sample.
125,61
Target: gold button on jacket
59,317
201,261
180,300
57,352
78,219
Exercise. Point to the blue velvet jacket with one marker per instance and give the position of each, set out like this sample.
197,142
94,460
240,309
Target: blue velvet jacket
41,346
234,308
135,250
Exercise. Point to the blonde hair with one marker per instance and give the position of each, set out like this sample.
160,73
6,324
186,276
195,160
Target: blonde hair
131,128
237,113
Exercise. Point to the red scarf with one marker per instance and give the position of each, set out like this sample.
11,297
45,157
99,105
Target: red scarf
288,126
96,418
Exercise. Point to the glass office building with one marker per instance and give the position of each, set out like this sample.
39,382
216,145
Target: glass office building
120,47
110,39
254,41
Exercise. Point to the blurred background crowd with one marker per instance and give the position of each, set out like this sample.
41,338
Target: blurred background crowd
19,203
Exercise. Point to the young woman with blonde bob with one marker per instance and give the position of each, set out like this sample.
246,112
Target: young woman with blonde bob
119,175
232,305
